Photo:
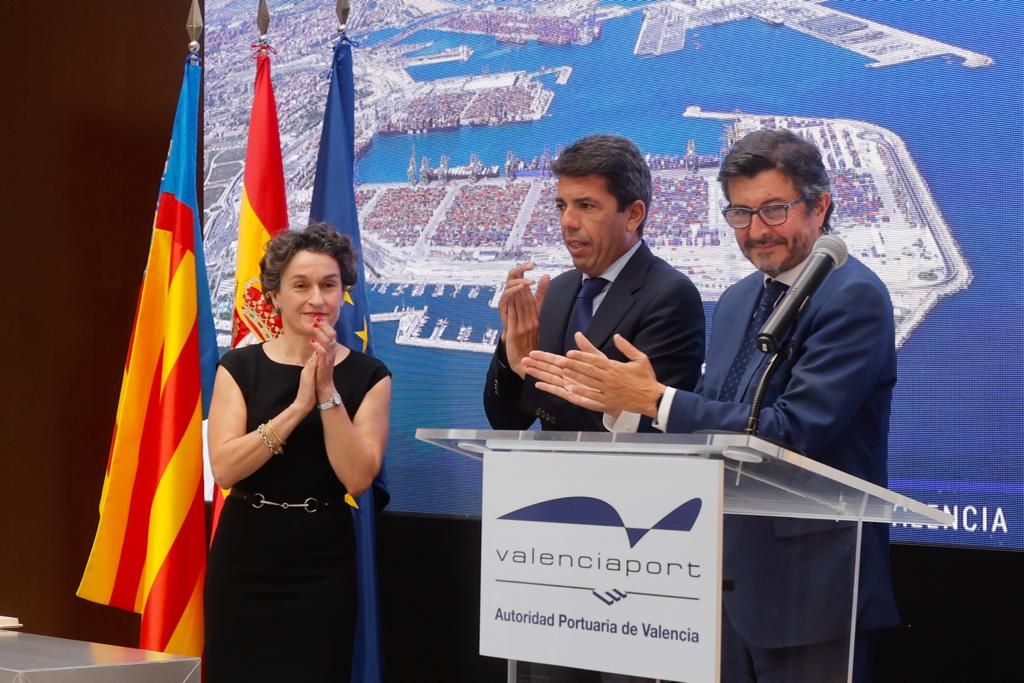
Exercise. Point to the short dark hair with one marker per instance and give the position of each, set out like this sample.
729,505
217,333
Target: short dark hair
618,160
319,238
798,159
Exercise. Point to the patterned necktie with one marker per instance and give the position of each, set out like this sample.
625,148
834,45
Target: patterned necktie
583,310
770,294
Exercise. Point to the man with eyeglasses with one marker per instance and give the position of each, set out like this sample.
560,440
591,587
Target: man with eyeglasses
783,620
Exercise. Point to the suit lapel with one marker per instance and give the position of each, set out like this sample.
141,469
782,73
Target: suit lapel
729,326
620,297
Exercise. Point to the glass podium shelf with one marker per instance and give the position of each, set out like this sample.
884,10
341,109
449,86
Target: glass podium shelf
761,478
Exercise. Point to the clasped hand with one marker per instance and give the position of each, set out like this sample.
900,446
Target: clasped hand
590,379
519,308
316,383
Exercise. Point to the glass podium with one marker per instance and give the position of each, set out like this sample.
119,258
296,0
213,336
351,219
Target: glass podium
807,513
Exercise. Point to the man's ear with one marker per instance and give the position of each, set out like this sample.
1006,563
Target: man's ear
635,214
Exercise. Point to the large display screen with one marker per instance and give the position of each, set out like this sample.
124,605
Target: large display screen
917,106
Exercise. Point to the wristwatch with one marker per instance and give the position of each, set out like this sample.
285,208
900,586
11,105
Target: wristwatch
331,402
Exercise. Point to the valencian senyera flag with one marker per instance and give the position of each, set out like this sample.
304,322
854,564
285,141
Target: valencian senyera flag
334,203
149,555
263,213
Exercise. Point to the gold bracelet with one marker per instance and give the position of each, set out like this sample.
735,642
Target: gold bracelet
274,448
274,436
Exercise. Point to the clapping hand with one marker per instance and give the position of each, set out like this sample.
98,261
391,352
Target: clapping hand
325,352
588,378
305,398
519,308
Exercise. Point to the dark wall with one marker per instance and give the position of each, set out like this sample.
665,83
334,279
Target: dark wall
88,105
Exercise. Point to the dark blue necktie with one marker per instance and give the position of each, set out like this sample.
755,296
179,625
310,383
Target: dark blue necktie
770,294
583,310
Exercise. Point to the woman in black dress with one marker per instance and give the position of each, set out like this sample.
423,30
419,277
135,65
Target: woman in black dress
295,424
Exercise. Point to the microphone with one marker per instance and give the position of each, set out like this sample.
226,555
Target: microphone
828,252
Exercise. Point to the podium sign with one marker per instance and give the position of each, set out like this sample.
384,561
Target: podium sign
600,562
595,555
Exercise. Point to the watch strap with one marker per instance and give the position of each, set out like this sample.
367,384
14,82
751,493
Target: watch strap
334,400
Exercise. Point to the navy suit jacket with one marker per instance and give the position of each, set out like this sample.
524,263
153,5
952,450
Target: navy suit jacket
651,304
829,400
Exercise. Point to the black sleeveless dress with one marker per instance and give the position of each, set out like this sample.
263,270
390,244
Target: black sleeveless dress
280,590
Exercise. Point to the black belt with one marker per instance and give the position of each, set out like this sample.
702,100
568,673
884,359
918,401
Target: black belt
258,500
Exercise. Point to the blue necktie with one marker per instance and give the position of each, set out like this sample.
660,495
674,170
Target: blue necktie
770,294
583,310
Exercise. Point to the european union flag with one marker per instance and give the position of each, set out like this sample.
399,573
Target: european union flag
334,203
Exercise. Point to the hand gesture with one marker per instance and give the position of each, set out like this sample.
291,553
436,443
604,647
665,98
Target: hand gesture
305,398
325,351
588,378
519,308
553,376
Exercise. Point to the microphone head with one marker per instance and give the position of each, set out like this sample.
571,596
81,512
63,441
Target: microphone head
833,247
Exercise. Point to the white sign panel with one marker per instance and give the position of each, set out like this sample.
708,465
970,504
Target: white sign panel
603,562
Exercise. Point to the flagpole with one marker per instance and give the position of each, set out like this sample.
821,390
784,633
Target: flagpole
333,202
194,27
343,8
208,341
263,22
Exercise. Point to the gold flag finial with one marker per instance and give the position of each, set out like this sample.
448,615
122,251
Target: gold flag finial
263,20
343,9
194,26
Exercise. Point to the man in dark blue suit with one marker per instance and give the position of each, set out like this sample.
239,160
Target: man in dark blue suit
617,286
604,192
829,399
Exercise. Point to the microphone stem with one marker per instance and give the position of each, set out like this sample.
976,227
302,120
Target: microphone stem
755,404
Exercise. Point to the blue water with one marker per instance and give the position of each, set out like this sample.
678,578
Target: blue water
957,420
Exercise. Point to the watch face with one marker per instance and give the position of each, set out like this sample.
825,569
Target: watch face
331,402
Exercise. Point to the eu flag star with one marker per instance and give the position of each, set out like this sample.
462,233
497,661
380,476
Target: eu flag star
363,334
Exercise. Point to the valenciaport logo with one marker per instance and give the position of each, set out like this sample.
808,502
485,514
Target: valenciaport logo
590,569
588,511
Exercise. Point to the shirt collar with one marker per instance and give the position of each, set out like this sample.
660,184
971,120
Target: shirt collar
613,271
789,277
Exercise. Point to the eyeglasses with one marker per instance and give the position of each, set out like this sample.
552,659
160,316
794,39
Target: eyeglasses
739,217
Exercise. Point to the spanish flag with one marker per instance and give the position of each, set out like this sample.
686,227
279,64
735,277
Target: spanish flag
263,214
149,555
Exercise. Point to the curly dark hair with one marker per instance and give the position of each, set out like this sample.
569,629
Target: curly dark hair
318,238
782,149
